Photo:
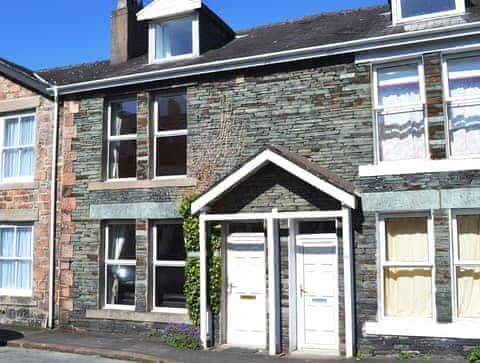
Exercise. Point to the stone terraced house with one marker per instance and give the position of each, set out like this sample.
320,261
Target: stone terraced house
339,153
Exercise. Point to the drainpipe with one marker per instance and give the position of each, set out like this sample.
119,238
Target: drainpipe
53,204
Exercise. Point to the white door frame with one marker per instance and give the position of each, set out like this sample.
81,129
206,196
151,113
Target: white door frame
331,240
227,320
345,214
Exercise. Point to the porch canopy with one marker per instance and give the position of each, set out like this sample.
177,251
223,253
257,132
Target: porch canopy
316,180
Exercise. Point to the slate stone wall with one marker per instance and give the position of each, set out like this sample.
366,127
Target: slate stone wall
28,197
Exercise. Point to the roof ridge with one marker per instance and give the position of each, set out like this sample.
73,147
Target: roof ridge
311,16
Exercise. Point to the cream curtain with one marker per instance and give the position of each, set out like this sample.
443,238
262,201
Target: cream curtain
408,292
407,240
468,278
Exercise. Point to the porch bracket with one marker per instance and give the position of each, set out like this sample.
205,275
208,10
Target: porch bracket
348,281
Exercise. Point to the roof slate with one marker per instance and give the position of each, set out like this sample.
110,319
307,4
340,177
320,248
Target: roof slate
316,30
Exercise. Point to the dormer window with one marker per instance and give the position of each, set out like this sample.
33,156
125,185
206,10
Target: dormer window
410,10
174,38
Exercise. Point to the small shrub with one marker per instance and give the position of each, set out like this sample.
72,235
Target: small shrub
405,355
428,356
182,336
474,354
359,355
373,353
149,333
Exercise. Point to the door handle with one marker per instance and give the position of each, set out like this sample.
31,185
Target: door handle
302,291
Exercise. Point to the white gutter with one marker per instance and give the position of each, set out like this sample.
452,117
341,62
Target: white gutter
386,41
53,203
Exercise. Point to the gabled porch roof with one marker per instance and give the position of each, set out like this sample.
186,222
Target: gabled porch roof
322,179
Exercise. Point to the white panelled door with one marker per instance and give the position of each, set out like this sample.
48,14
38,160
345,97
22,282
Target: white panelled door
317,292
247,320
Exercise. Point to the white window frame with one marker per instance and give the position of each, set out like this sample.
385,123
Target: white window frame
152,37
111,262
2,147
377,108
456,262
382,244
164,134
18,292
110,138
398,18
456,101
163,263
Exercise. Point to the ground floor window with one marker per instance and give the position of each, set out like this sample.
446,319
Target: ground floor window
407,266
120,262
466,237
169,256
16,246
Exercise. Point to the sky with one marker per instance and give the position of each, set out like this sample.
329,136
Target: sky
44,34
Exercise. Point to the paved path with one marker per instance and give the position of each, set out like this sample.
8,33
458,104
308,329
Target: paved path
140,348
19,355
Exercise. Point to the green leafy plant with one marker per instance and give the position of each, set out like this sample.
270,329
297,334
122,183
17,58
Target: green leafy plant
373,353
182,336
192,268
428,356
402,355
149,333
474,355
359,355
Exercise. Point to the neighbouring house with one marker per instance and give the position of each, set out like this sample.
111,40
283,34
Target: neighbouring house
27,114
339,153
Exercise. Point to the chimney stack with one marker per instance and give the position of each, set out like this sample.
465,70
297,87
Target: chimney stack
129,37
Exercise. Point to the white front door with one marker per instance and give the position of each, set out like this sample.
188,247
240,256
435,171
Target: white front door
317,292
247,320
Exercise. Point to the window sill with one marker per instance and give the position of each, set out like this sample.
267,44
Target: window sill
17,301
459,330
27,185
151,317
419,166
143,184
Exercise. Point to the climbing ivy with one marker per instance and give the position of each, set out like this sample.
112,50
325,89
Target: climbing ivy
192,268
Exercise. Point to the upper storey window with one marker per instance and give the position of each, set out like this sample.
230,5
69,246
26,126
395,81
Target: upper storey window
407,10
400,112
174,38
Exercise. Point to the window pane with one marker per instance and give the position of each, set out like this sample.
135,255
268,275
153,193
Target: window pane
121,285
10,163
402,136
27,130
121,242
123,159
464,128
464,77
398,86
7,274
174,38
408,292
468,229
172,112
169,287
24,275
416,8
124,118
11,132
170,242
24,242
7,242
468,285
407,240
172,156
27,162
317,227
